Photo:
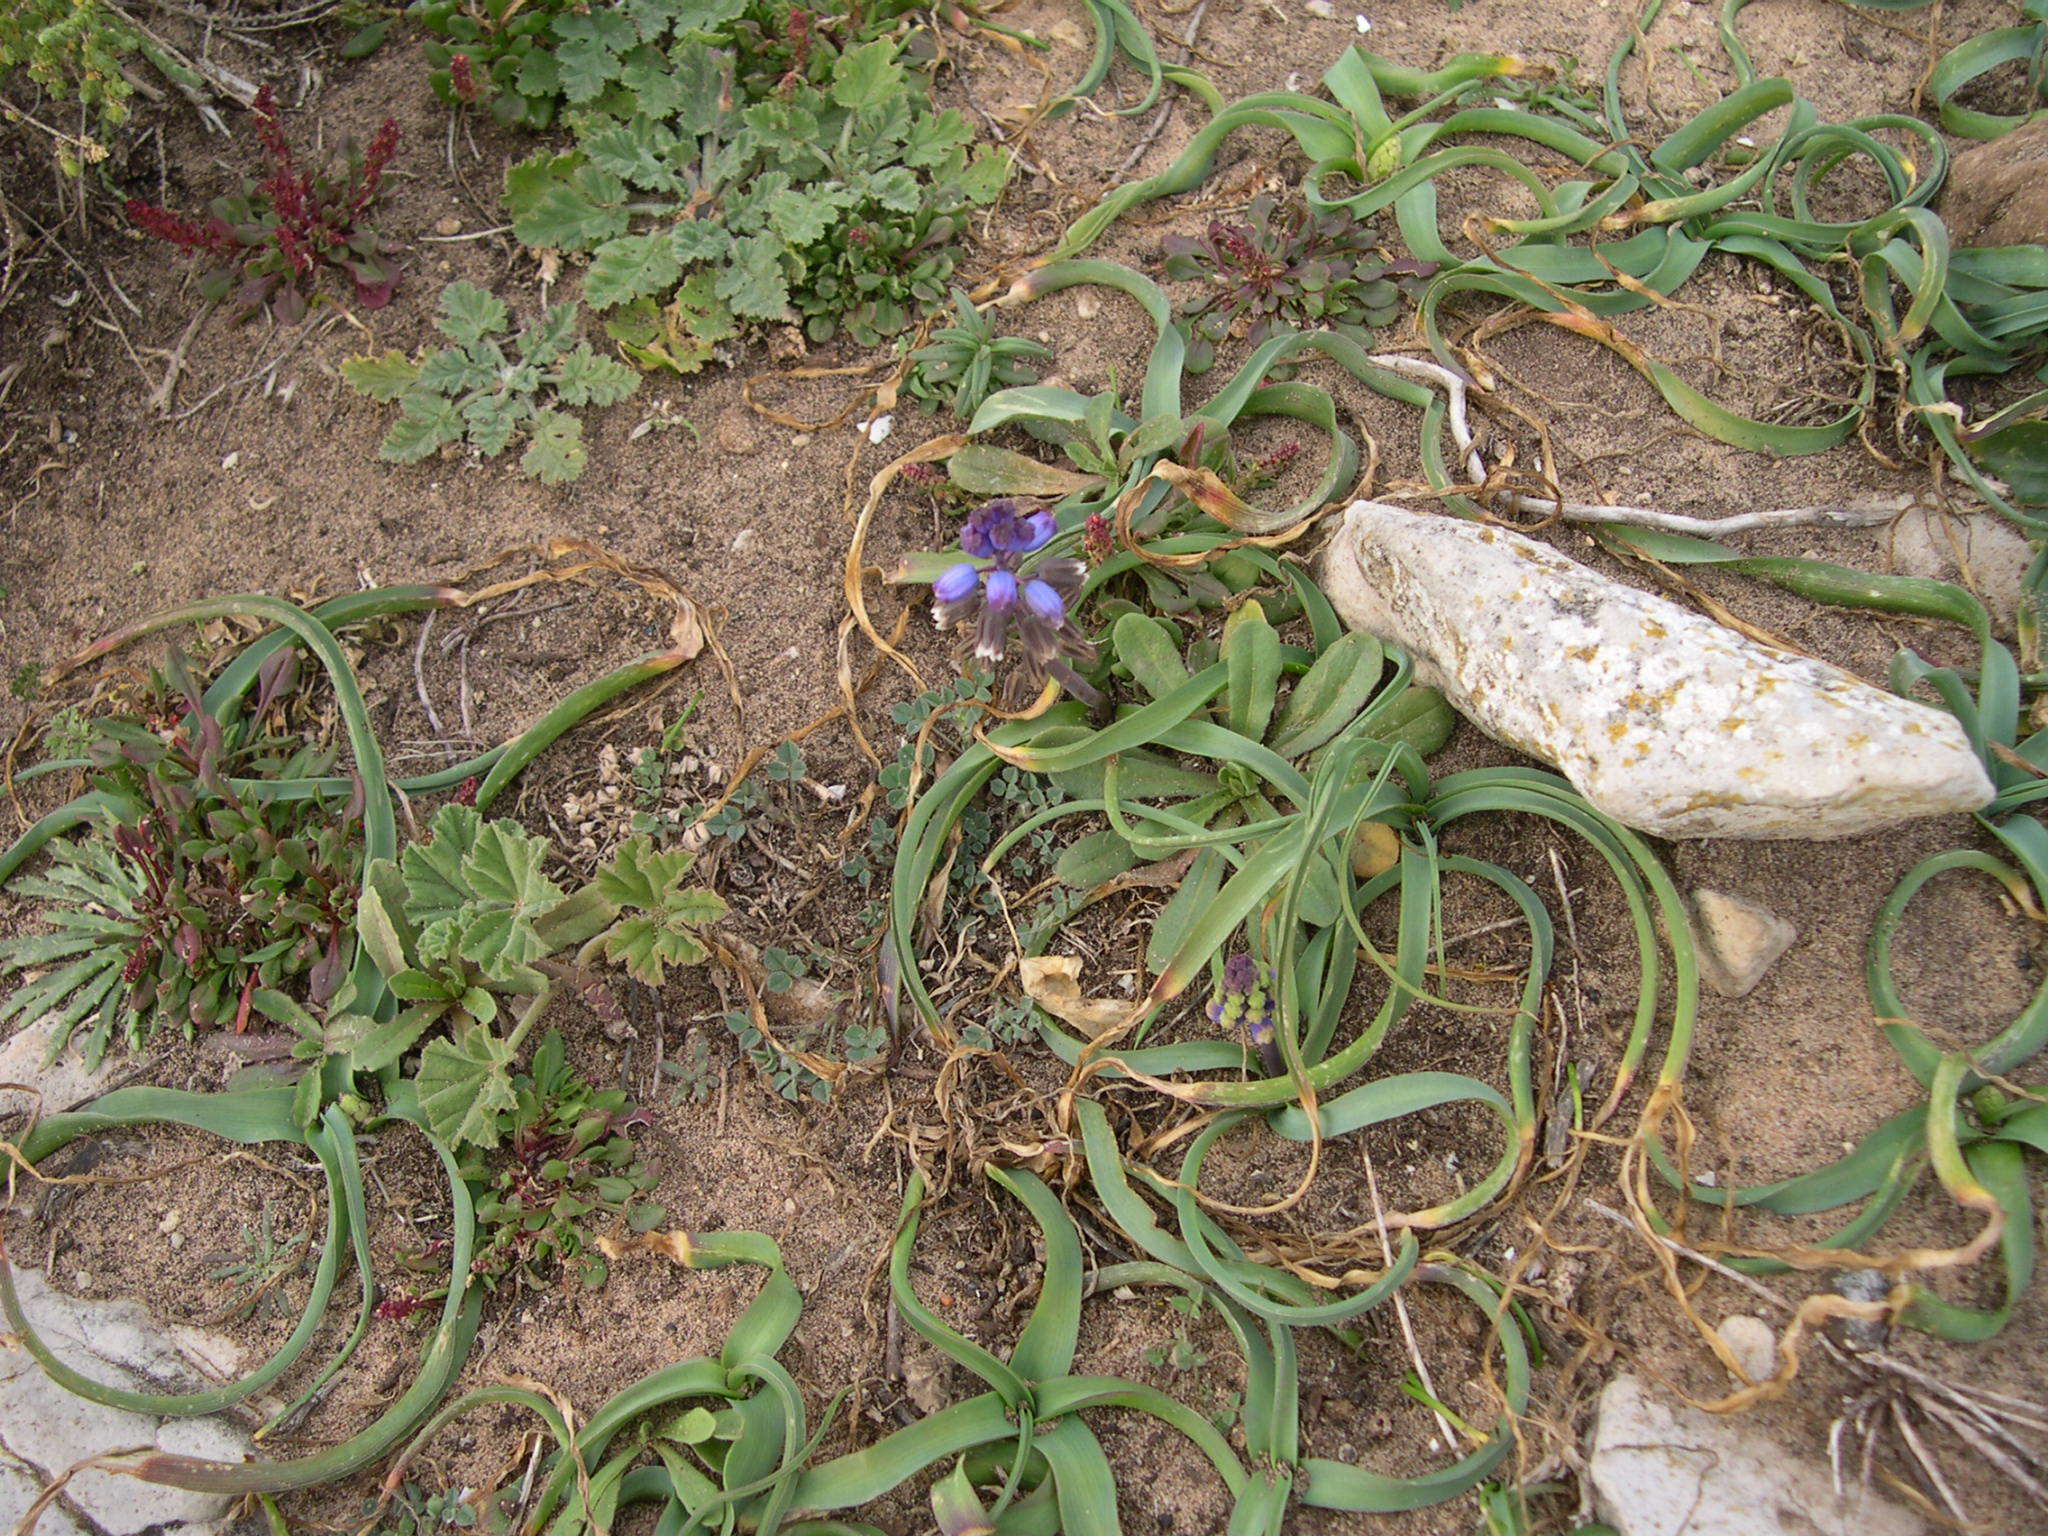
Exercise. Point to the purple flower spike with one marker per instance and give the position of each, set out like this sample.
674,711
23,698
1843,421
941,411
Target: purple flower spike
1005,608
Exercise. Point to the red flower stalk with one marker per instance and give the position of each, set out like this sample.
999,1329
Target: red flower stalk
1279,458
211,238
463,81
270,128
379,154
1097,541
799,34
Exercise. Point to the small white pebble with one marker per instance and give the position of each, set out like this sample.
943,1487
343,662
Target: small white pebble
170,1222
232,460
1364,24
879,429
745,541
1323,8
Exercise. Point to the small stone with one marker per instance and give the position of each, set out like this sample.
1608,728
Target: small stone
1753,1344
1666,721
801,440
734,431
745,542
1866,1285
1997,193
1738,941
1661,1469
1980,550
448,227
170,1221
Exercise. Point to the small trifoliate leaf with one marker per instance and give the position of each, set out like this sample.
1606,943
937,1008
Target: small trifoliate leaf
556,454
381,378
470,313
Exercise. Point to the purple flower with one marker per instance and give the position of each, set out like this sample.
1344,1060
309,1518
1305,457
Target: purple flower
959,582
1003,605
1244,999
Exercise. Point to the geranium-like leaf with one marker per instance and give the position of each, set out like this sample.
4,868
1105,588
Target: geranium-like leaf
381,378
470,313
425,423
507,891
629,268
556,453
547,338
868,76
465,1083
563,202
435,887
638,874
584,377
647,947
799,219
454,371
755,285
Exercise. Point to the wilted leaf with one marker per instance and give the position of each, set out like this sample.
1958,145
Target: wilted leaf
1054,983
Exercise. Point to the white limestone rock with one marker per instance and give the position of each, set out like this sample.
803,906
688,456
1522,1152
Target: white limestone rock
1981,550
1660,1469
1668,722
44,1428
63,1084
1739,940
